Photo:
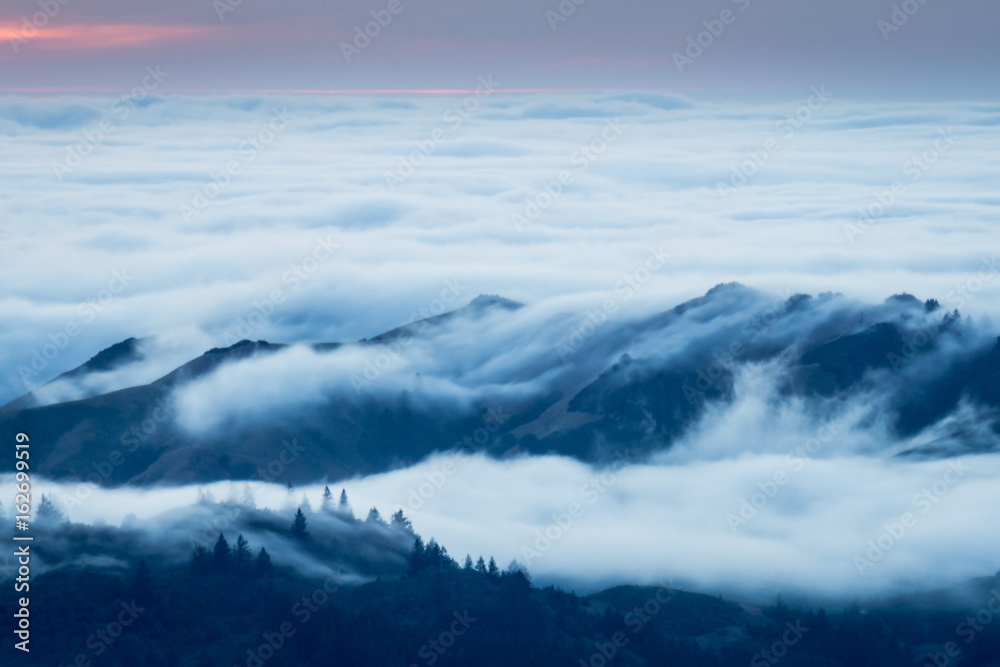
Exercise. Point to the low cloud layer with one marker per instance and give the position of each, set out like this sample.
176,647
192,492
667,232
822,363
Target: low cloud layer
308,241
335,219
760,498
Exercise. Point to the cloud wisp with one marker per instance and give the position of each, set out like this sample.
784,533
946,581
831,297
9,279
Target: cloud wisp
789,227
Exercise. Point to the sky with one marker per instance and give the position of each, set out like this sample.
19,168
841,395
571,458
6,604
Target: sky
927,49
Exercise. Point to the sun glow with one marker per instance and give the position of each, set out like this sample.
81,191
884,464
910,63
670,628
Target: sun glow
90,37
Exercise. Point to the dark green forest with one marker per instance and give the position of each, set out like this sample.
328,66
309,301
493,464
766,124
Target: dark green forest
235,605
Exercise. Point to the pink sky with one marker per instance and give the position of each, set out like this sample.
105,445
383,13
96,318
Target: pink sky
442,45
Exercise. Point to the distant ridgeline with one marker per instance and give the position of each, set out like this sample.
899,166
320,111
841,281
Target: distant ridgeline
498,377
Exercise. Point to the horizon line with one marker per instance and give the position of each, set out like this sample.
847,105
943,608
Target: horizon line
339,91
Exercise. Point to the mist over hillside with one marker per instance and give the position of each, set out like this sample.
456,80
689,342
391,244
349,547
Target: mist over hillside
798,431
497,376
517,334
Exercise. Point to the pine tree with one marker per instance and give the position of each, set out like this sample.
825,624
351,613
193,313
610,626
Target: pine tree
375,517
344,507
327,499
492,568
201,560
47,511
262,565
481,566
142,584
299,525
242,558
221,555
246,497
400,522
515,569
417,556
467,565
516,580
433,555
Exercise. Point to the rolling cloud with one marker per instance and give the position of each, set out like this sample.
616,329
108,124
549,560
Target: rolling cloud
251,254
760,498
302,241
817,495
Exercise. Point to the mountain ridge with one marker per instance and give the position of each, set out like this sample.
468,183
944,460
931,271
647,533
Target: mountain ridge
642,382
